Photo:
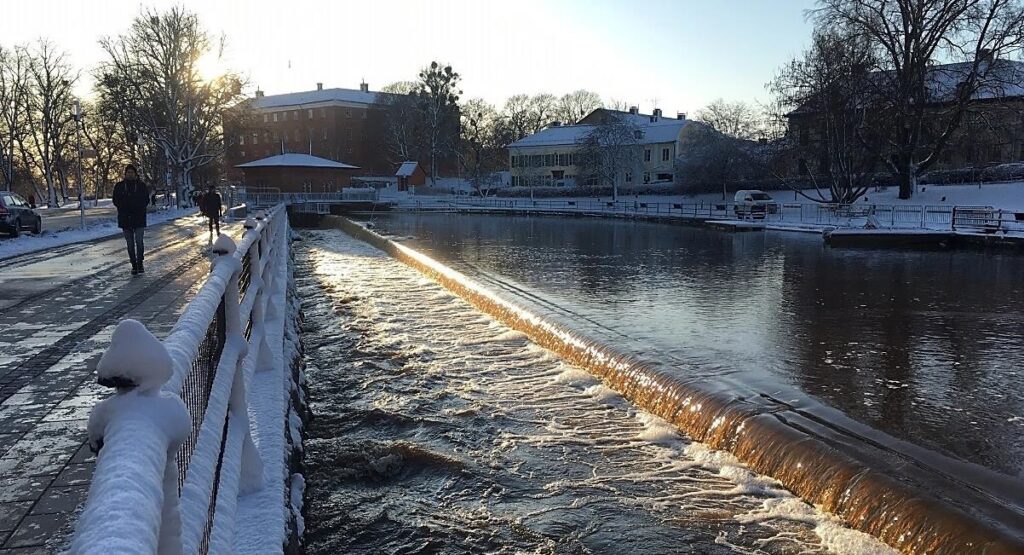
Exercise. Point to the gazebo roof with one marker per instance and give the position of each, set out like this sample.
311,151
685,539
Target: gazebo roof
296,160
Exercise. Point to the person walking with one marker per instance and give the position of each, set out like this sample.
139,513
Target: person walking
131,197
211,207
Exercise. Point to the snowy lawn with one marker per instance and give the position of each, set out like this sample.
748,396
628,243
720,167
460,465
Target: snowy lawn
27,243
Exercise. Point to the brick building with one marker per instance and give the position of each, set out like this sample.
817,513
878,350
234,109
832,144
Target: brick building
343,125
991,132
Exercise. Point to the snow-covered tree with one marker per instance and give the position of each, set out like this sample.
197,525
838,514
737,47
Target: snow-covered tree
152,71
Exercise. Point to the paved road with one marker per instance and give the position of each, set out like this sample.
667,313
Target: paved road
57,311
56,220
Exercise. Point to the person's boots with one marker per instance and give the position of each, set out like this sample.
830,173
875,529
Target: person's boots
135,269
142,268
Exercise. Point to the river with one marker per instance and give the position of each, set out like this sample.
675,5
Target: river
436,429
924,346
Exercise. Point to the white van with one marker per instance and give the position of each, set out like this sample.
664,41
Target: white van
754,204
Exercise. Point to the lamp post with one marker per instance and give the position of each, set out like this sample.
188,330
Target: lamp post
78,172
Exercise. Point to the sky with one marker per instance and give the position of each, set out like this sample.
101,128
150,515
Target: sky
675,54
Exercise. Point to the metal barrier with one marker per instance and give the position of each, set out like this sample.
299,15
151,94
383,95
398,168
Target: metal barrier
215,346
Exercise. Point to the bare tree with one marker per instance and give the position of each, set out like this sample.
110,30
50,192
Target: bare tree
734,119
50,111
922,105
479,152
610,152
574,106
14,109
402,121
152,72
525,115
826,97
438,97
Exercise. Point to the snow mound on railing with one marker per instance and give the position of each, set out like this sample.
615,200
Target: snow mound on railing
135,358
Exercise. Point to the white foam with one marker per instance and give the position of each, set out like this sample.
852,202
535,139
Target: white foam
657,430
576,377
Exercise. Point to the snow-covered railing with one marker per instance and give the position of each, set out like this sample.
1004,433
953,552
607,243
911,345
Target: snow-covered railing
148,454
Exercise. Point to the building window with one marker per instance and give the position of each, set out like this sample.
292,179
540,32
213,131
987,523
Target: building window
296,135
664,177
241,140
323,113
295,115
241,154
275,117
255,136
563,160
549,160
647,155
512,161
275,135
629,177
265,139
325,133
647,177
364,114
348,114
664,154
265,118
309,114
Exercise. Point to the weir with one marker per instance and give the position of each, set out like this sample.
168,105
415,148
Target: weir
911,505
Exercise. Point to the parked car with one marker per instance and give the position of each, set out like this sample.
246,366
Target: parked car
754,204
16,215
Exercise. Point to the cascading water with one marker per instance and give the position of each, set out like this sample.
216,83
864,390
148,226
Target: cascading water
807,456
439,430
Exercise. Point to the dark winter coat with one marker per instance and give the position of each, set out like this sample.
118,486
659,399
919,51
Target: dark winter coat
211,204
131,199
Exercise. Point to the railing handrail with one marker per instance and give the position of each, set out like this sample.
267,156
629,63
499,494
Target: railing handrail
222,460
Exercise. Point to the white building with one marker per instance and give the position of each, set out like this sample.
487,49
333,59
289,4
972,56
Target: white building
549,157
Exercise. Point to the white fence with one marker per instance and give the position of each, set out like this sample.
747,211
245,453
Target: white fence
214,349
899,216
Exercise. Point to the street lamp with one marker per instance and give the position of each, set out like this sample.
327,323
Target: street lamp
78,139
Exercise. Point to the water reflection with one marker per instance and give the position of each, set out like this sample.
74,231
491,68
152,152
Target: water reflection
922,345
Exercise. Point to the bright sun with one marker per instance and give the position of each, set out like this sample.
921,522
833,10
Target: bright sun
210,66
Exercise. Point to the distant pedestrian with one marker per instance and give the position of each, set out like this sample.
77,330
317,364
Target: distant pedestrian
211,206
31,201
131,198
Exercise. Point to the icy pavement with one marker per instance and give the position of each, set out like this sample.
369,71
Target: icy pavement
61,228
57,311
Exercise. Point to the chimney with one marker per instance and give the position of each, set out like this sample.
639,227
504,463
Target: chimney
319,86
986,55
657,113
680,115
634,110
364,86
259,93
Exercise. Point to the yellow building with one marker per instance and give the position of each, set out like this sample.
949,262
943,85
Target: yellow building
550,156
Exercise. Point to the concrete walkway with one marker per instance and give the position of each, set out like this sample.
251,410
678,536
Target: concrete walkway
57,311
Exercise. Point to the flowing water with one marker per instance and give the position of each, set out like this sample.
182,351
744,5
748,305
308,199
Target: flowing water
439,430
926,347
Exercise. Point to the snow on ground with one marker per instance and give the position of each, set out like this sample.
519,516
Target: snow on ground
73,205
1008,196
27,243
